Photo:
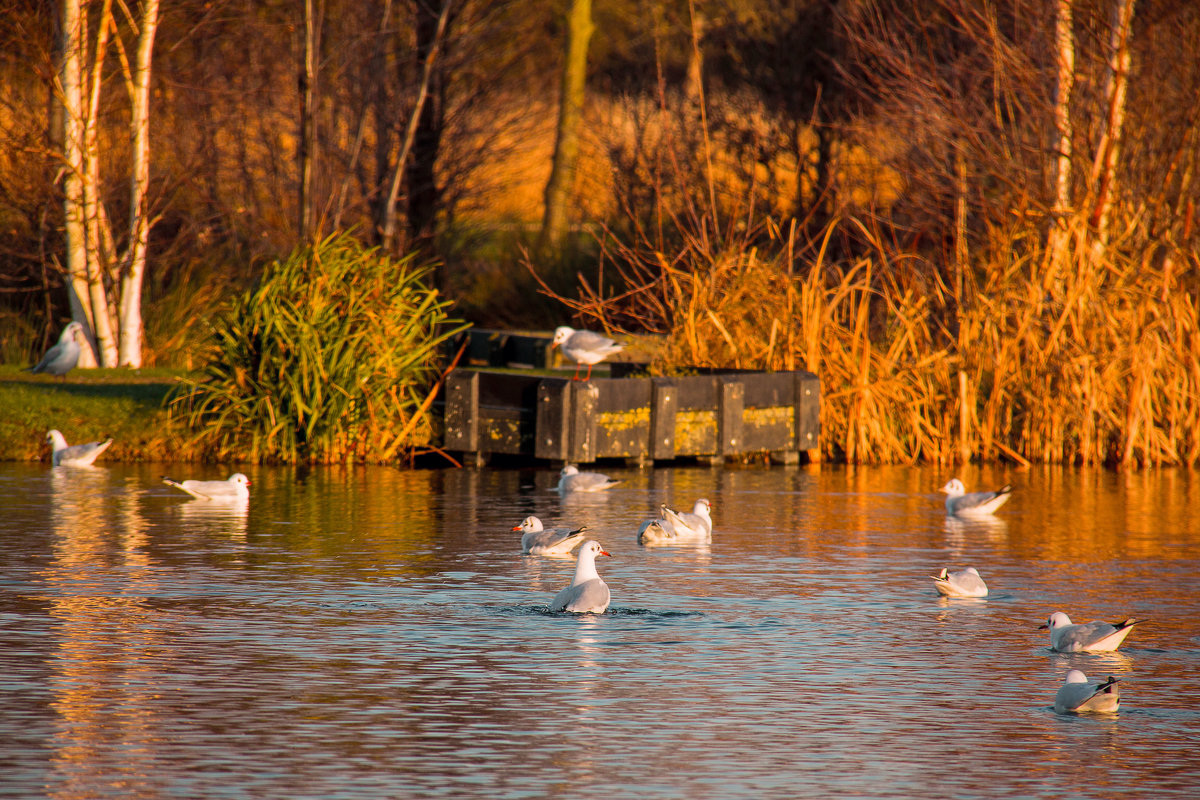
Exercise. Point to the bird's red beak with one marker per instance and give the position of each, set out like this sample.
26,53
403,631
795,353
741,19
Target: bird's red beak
606,553
516,527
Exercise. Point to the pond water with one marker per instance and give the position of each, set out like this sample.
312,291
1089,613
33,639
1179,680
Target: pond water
354,633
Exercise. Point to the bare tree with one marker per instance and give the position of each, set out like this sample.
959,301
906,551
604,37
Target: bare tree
95,269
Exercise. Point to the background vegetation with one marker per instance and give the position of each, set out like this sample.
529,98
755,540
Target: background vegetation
873,190
330,357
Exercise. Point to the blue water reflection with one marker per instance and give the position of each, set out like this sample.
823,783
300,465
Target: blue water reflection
377,633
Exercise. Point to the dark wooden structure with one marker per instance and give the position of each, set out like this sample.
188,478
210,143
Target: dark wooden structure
710,416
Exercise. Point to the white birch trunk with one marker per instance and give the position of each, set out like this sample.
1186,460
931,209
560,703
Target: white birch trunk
70,91
133,276
1065,49
1116,85
96,237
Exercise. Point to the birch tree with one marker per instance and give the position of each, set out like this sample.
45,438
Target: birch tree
104,279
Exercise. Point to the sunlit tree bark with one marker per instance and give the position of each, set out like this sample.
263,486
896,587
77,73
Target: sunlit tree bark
1064,39
134,272
94,267
308,118
570,111
1104,170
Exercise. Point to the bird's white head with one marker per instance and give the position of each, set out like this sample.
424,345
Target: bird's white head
530,524
954,488
561,334
1076,676
239,479
1057,620
71,331
593,549
569,469
55,438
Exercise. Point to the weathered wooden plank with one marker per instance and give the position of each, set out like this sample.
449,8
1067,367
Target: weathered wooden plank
731,405
767,389
768,429
462,411
695,432
584,396
552,419
808,410
663,404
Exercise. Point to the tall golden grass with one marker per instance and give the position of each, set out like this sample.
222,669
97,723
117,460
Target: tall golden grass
1070,359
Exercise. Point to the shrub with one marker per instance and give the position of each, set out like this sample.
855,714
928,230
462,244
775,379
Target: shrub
331,357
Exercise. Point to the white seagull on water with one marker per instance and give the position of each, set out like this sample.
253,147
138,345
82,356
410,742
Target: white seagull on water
960,503
79,455
693,526
1079,694
584,347
1095,637
538,541
587,594
570,479
235,487
961,583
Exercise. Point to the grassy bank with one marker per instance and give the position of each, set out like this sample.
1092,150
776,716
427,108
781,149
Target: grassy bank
90,405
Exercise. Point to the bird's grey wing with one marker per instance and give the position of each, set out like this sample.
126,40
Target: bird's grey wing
81,452
589,596
589,340
50,357
186,486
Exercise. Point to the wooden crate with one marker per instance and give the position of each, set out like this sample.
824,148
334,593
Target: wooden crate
637,418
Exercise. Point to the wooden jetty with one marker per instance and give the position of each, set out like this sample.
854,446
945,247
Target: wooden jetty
708,416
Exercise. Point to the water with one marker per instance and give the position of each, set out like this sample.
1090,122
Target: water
371,633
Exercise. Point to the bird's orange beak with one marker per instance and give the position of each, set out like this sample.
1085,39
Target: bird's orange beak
606,553
516,527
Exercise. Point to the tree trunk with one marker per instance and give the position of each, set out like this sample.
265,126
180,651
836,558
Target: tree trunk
91,251
98,234
1117,82
570,111
308,120
70,91
1064,39
133,276
423,196
410,132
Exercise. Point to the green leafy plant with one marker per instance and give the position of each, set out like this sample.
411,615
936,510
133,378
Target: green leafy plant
331,357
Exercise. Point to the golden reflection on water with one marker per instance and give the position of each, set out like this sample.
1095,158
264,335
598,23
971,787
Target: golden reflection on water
100,681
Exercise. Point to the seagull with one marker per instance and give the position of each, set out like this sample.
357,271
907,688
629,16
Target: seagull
961,504
653,532
538,541
1077,694
63,356
572,480
1095,637
584,347
80,455
693,526
235,487
964,583
587,594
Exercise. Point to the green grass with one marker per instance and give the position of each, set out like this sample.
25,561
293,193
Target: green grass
90,405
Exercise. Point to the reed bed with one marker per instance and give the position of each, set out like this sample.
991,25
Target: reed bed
1078,359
